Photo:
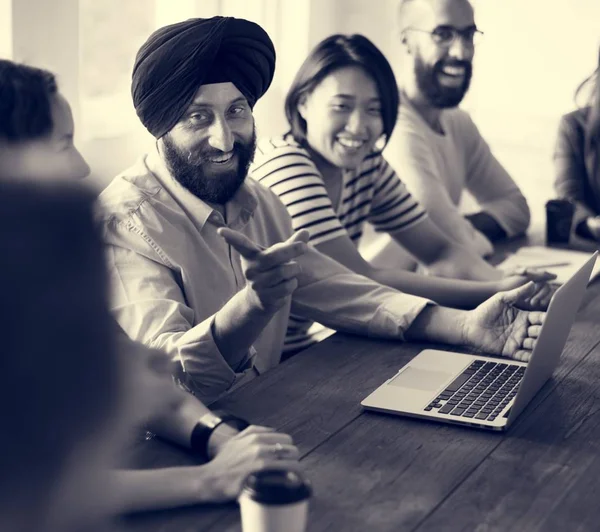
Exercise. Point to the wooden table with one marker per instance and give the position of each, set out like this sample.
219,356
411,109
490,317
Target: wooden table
376,472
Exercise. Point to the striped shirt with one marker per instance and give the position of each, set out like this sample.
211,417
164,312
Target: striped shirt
372,192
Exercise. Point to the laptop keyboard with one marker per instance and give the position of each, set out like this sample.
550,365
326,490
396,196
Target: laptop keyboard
482,391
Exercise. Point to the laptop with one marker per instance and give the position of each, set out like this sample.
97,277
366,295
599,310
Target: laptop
480,391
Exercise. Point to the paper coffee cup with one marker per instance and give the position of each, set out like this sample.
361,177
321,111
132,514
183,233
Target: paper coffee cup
274,500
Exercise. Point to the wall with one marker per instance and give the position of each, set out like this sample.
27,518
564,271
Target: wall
533,55
6,28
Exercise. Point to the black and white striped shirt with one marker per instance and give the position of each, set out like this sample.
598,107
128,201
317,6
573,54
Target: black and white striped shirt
372,192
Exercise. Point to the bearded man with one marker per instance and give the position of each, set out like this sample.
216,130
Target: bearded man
203,262
436,148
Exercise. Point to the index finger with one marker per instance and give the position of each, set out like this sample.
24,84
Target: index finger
240,242
299,236
283,252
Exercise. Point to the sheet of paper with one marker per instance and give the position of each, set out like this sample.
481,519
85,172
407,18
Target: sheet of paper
563,262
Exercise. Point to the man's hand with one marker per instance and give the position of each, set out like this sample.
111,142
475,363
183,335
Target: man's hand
271,273
498,327
251,450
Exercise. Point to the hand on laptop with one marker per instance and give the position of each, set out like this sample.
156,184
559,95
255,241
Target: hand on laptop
499,327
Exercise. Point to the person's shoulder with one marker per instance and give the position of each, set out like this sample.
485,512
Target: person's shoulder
576,119
410,128
279,147
126,193
265,197
462,130
408,117
268,206
410,137
280,160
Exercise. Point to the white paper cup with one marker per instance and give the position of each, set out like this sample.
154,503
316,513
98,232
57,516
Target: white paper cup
274,500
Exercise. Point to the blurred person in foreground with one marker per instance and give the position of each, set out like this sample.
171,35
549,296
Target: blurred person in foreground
36,148
204,263
577,159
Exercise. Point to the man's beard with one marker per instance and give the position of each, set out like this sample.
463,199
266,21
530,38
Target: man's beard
218,187
437,94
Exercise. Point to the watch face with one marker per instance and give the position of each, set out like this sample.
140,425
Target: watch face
210,420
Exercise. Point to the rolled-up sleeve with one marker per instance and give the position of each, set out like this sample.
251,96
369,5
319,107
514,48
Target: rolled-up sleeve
343,300
150,306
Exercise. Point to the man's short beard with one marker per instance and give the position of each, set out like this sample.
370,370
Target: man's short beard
436,94
189,170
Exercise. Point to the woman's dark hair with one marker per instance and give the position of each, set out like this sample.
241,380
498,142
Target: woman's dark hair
592,127
25,94
333,53
59,372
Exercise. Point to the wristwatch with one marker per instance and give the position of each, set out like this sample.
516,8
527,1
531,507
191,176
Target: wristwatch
205,427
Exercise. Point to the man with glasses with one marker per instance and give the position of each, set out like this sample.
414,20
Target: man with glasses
436,148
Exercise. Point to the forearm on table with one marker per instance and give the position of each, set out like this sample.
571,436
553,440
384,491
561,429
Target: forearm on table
238,324
456,229
157,489
438,325
177,426
466,264
448,292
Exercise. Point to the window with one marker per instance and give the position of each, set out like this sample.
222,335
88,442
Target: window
5,29
111,33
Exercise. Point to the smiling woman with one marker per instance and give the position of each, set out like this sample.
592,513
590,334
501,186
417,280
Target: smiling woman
329,172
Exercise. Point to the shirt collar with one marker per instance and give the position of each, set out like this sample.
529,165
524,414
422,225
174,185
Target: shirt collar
239,210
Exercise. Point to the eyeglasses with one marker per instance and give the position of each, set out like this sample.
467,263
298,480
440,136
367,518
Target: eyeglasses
446,35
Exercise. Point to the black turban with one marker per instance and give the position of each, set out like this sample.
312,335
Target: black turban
177,59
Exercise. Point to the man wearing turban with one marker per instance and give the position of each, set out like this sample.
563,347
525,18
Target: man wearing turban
203,262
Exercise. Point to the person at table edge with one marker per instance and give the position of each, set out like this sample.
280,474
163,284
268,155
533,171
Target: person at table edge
577,159
203,262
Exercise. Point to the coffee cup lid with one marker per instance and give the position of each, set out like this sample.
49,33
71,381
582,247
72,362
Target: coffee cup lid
276,486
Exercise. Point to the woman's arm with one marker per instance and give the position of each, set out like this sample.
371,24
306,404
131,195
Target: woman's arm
447,292
219,480
443,256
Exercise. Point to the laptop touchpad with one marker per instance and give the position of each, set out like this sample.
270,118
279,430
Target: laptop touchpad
420,379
